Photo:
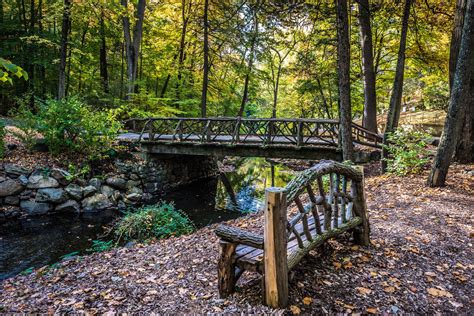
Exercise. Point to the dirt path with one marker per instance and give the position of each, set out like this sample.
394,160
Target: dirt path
420,261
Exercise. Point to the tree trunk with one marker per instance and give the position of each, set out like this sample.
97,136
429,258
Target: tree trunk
132,45
343,65
370,100
104,75
182,44
459,100
245,94
456,38
64,47
465,145
205,79
397,90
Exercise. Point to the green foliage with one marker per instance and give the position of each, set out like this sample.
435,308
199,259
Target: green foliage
78,171
101,246
7,69
27,271
2,141
143,104
407,151
157,221
71,126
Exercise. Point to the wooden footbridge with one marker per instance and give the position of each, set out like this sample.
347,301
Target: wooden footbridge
247,137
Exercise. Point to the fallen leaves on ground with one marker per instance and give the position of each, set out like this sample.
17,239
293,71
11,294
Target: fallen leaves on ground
420,261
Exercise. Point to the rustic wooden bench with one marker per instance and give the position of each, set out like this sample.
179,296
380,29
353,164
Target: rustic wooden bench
296,220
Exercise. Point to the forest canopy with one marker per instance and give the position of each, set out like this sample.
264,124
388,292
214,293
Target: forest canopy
263,58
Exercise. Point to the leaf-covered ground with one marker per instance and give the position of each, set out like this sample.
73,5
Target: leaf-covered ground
421,261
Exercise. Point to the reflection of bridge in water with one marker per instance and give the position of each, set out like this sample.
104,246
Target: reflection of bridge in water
247,137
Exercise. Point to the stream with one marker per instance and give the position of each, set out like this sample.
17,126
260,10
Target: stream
39,241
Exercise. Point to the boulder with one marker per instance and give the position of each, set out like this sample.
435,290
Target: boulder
23,180
2,179
35,208
134,177
61,176
69,206
134,197
41,182
12,200
51,195
74,191
89,190
135,190
15,170
117,183
96,183
131,184
96,203
10,187
107,191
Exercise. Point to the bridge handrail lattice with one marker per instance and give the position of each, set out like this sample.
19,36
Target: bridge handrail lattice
235,130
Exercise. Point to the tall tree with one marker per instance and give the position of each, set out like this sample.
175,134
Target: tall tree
205,79
397,90
465,144
343,67
104,74
132,45
459,100
370,99
248,73
64,47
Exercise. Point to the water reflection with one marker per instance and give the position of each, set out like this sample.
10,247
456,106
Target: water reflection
249,177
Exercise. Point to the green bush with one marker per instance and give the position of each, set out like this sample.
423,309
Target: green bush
408,152
101,246
2,140
157,221
69,125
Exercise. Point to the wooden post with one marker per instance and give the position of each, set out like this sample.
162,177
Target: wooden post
226,269
299,133
361,234
275,243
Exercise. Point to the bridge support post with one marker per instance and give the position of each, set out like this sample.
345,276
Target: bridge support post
275,252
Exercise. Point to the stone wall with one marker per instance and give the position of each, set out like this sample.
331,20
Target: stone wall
27,192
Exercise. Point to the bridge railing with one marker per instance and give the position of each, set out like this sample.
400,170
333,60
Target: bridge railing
297,132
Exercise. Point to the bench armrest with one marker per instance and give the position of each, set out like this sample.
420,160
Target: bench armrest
239,236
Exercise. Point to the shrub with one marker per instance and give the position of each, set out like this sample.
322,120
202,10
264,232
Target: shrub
2,140
407,152
157,221
100,246
69,125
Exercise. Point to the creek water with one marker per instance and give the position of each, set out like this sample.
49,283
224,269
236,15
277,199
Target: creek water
40,241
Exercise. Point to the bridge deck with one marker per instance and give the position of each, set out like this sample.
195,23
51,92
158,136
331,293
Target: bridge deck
278,138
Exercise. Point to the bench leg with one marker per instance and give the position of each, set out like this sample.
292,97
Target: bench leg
226,269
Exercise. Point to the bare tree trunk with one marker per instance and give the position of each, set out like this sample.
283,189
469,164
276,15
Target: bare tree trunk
64,47
397,90
370,99
104,75
343,65
132,45
205,79
459,100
